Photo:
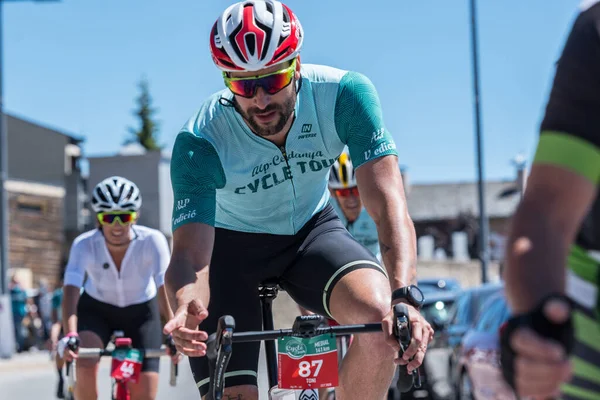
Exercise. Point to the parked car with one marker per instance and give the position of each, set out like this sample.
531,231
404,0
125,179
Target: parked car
477,373
428,285
465,310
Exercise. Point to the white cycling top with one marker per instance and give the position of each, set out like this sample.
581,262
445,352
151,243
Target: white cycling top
142,270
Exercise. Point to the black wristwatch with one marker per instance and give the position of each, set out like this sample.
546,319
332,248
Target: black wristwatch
411,294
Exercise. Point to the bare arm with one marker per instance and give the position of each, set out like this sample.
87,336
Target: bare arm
69,305
163,304
544,227
382,192
186,278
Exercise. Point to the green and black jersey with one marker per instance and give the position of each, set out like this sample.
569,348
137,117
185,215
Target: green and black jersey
570,138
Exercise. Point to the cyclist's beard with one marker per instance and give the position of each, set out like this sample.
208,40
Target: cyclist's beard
284,112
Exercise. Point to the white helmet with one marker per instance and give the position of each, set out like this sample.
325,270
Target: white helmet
342,173
255,34
116,194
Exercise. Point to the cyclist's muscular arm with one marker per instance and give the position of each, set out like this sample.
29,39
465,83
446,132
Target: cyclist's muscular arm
196,174
544,227
187,276
359,123
382,192
565,174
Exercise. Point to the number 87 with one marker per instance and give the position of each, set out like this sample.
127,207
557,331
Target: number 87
304,368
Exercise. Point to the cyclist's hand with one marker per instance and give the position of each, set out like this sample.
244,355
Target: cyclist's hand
63,349
421,335
176,356
540,364
189,340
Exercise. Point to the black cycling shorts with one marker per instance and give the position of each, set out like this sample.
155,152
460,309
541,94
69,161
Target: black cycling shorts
139,322
307,266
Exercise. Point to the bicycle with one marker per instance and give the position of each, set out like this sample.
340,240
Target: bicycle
126,364
304,363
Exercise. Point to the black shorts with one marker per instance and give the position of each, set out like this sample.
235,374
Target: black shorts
139,322
307,266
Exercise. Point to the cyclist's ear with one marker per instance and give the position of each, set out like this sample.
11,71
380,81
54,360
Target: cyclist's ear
298,64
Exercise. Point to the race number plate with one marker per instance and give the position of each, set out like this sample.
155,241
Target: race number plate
126,364
310,363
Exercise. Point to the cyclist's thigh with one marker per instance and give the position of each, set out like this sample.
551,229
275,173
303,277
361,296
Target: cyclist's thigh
93,329
585,383
234,279
328,254
141,323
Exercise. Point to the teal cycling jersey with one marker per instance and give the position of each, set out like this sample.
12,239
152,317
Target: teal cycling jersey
226,176
363,229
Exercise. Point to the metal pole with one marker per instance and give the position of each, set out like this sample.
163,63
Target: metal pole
483,222
3,177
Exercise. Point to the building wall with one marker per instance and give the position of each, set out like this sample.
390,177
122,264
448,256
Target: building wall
36,154
36,235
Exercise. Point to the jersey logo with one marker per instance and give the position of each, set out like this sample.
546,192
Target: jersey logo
306,130
377,135
181,204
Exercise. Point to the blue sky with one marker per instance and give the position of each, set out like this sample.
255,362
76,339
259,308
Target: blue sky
74,65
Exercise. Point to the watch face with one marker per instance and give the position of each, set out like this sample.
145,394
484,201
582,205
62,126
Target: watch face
416,294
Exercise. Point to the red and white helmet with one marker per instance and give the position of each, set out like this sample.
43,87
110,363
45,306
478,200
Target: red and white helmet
255,34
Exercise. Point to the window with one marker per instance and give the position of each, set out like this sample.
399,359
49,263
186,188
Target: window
31,206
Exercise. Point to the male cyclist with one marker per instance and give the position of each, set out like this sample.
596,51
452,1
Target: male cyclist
346,200
553,252
249,174
125,265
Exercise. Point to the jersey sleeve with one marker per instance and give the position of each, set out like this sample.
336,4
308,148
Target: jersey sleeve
161,255
75,269
570,131
196,174
359,120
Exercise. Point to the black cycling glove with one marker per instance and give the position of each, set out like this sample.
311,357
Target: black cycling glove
537,321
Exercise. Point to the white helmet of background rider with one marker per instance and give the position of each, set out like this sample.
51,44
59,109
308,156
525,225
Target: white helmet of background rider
116,194
342,173
255,34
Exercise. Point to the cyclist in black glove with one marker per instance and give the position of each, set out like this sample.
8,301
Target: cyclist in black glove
551,347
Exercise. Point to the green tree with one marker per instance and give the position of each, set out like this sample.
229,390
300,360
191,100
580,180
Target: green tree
148,131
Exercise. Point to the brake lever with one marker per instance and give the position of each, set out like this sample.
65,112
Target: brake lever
219,349
403,334
170,343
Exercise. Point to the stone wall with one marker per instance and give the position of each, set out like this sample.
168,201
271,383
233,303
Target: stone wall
36,234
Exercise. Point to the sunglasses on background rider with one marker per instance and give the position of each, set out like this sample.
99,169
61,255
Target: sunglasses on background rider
271,83
110,218
346,192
